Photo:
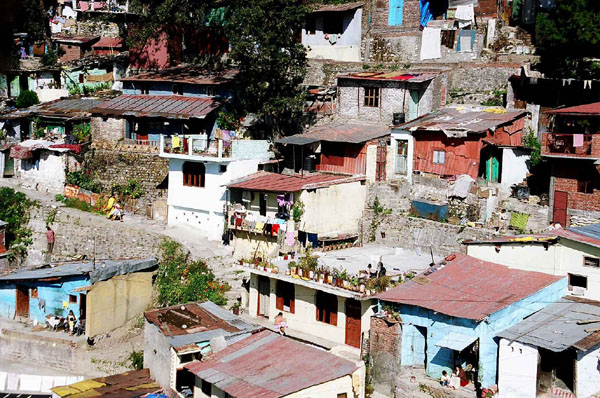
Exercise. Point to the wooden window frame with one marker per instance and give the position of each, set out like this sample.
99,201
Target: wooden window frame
571,286
72,299
590,259
285,291
194,175
326,308
372,97
436,158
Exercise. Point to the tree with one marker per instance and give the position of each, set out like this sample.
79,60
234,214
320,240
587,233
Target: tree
567,37
26,99
181,280
14,210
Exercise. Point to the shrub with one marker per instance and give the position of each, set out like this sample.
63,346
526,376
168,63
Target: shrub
137,359
83,180
82,132
14,210
27,98
78,204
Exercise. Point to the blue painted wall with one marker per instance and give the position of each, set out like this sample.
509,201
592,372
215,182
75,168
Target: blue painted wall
166,88
438,326
54,294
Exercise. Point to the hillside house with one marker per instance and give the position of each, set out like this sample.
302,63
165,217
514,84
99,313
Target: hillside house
108,46
58,118
177,335
573,252
573,150
334,32
553,352
260,210
247,370
452,313
74,47
483,143
105,294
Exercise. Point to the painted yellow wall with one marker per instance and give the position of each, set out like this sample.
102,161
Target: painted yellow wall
111,303
304,318
245,245
333,210
560,259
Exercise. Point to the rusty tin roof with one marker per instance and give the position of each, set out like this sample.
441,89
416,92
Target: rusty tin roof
167,106
273,182
267,365
125,385
339,7
466,287
592,109
349,132
188,75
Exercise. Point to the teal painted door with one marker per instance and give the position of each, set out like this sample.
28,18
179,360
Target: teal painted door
413,105
492,169
419,346
396,12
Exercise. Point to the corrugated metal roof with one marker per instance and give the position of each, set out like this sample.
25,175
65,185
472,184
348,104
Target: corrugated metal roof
185,75
267,365
101,270
168,106
339,7
460,121
274,182
469,288
391,76
112,42
202,321
67,107
583,110
74,39
587,233
131,384
555,327
351,132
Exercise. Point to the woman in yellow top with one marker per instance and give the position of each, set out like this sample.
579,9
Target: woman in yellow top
109,206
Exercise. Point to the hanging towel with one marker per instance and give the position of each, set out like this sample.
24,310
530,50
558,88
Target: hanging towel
175,142
577,140
313,238
333,38
431,43
289,238
302,238
519,220
275,228
426,14
268,228
465,15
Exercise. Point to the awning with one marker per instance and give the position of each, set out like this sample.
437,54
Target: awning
456,341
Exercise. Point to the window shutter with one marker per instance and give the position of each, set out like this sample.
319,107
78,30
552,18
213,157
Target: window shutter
293,300
279,297
333,315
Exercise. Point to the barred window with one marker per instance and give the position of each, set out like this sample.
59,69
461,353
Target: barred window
372,96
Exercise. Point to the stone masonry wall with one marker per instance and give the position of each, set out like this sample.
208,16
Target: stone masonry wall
115,167
107,131
385,340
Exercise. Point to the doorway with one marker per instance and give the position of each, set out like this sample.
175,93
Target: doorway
9,165
381,160
22,308
402,157
82,306
556,370
353,325
559,214
264,292
420,347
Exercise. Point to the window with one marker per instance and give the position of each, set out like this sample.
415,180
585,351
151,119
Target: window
72,299
342,395
177,89
206,388
223,168
372,96
591,261
285,293
326,308
193,174
439,157
193,356
34,292
577,281
333,23
211,91
585,186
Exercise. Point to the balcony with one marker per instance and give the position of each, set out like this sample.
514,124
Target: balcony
566,145
197,146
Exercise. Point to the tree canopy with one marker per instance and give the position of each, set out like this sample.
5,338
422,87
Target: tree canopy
261,33
568,38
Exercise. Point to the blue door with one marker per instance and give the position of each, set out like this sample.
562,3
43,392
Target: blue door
396,12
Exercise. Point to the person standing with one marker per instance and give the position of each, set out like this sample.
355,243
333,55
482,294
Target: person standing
51,238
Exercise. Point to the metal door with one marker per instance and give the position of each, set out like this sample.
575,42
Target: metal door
396,12
413,105
402,158
560,208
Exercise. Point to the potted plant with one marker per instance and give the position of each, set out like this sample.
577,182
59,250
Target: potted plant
292,267
235,308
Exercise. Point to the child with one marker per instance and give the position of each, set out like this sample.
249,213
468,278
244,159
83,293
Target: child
445,379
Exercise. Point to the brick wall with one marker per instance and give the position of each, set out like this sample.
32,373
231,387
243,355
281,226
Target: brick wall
380,10
69,52
566,177
107,131
385,341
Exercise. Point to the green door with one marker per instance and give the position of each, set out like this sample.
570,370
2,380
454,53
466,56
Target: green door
492,169
413,105
9,165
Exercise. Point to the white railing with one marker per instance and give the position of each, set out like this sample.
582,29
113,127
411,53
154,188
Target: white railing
191,145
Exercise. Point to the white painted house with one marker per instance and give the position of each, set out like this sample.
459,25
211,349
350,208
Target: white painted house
198,178
334,32
573,252
555,352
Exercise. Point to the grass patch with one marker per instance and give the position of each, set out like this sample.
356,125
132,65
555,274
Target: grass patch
78,204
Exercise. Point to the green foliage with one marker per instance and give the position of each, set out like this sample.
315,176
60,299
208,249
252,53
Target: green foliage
51,217
531,141
133,189
50,58
227,120
78,204
181,280
83,89
60,198
566,36
298,210
83,180
26,99
14,210
379,215
82,132
137,359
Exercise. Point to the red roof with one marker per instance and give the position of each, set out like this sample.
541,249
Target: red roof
267,365
347,132
111,42
584,110
170,106
274,182
469,288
